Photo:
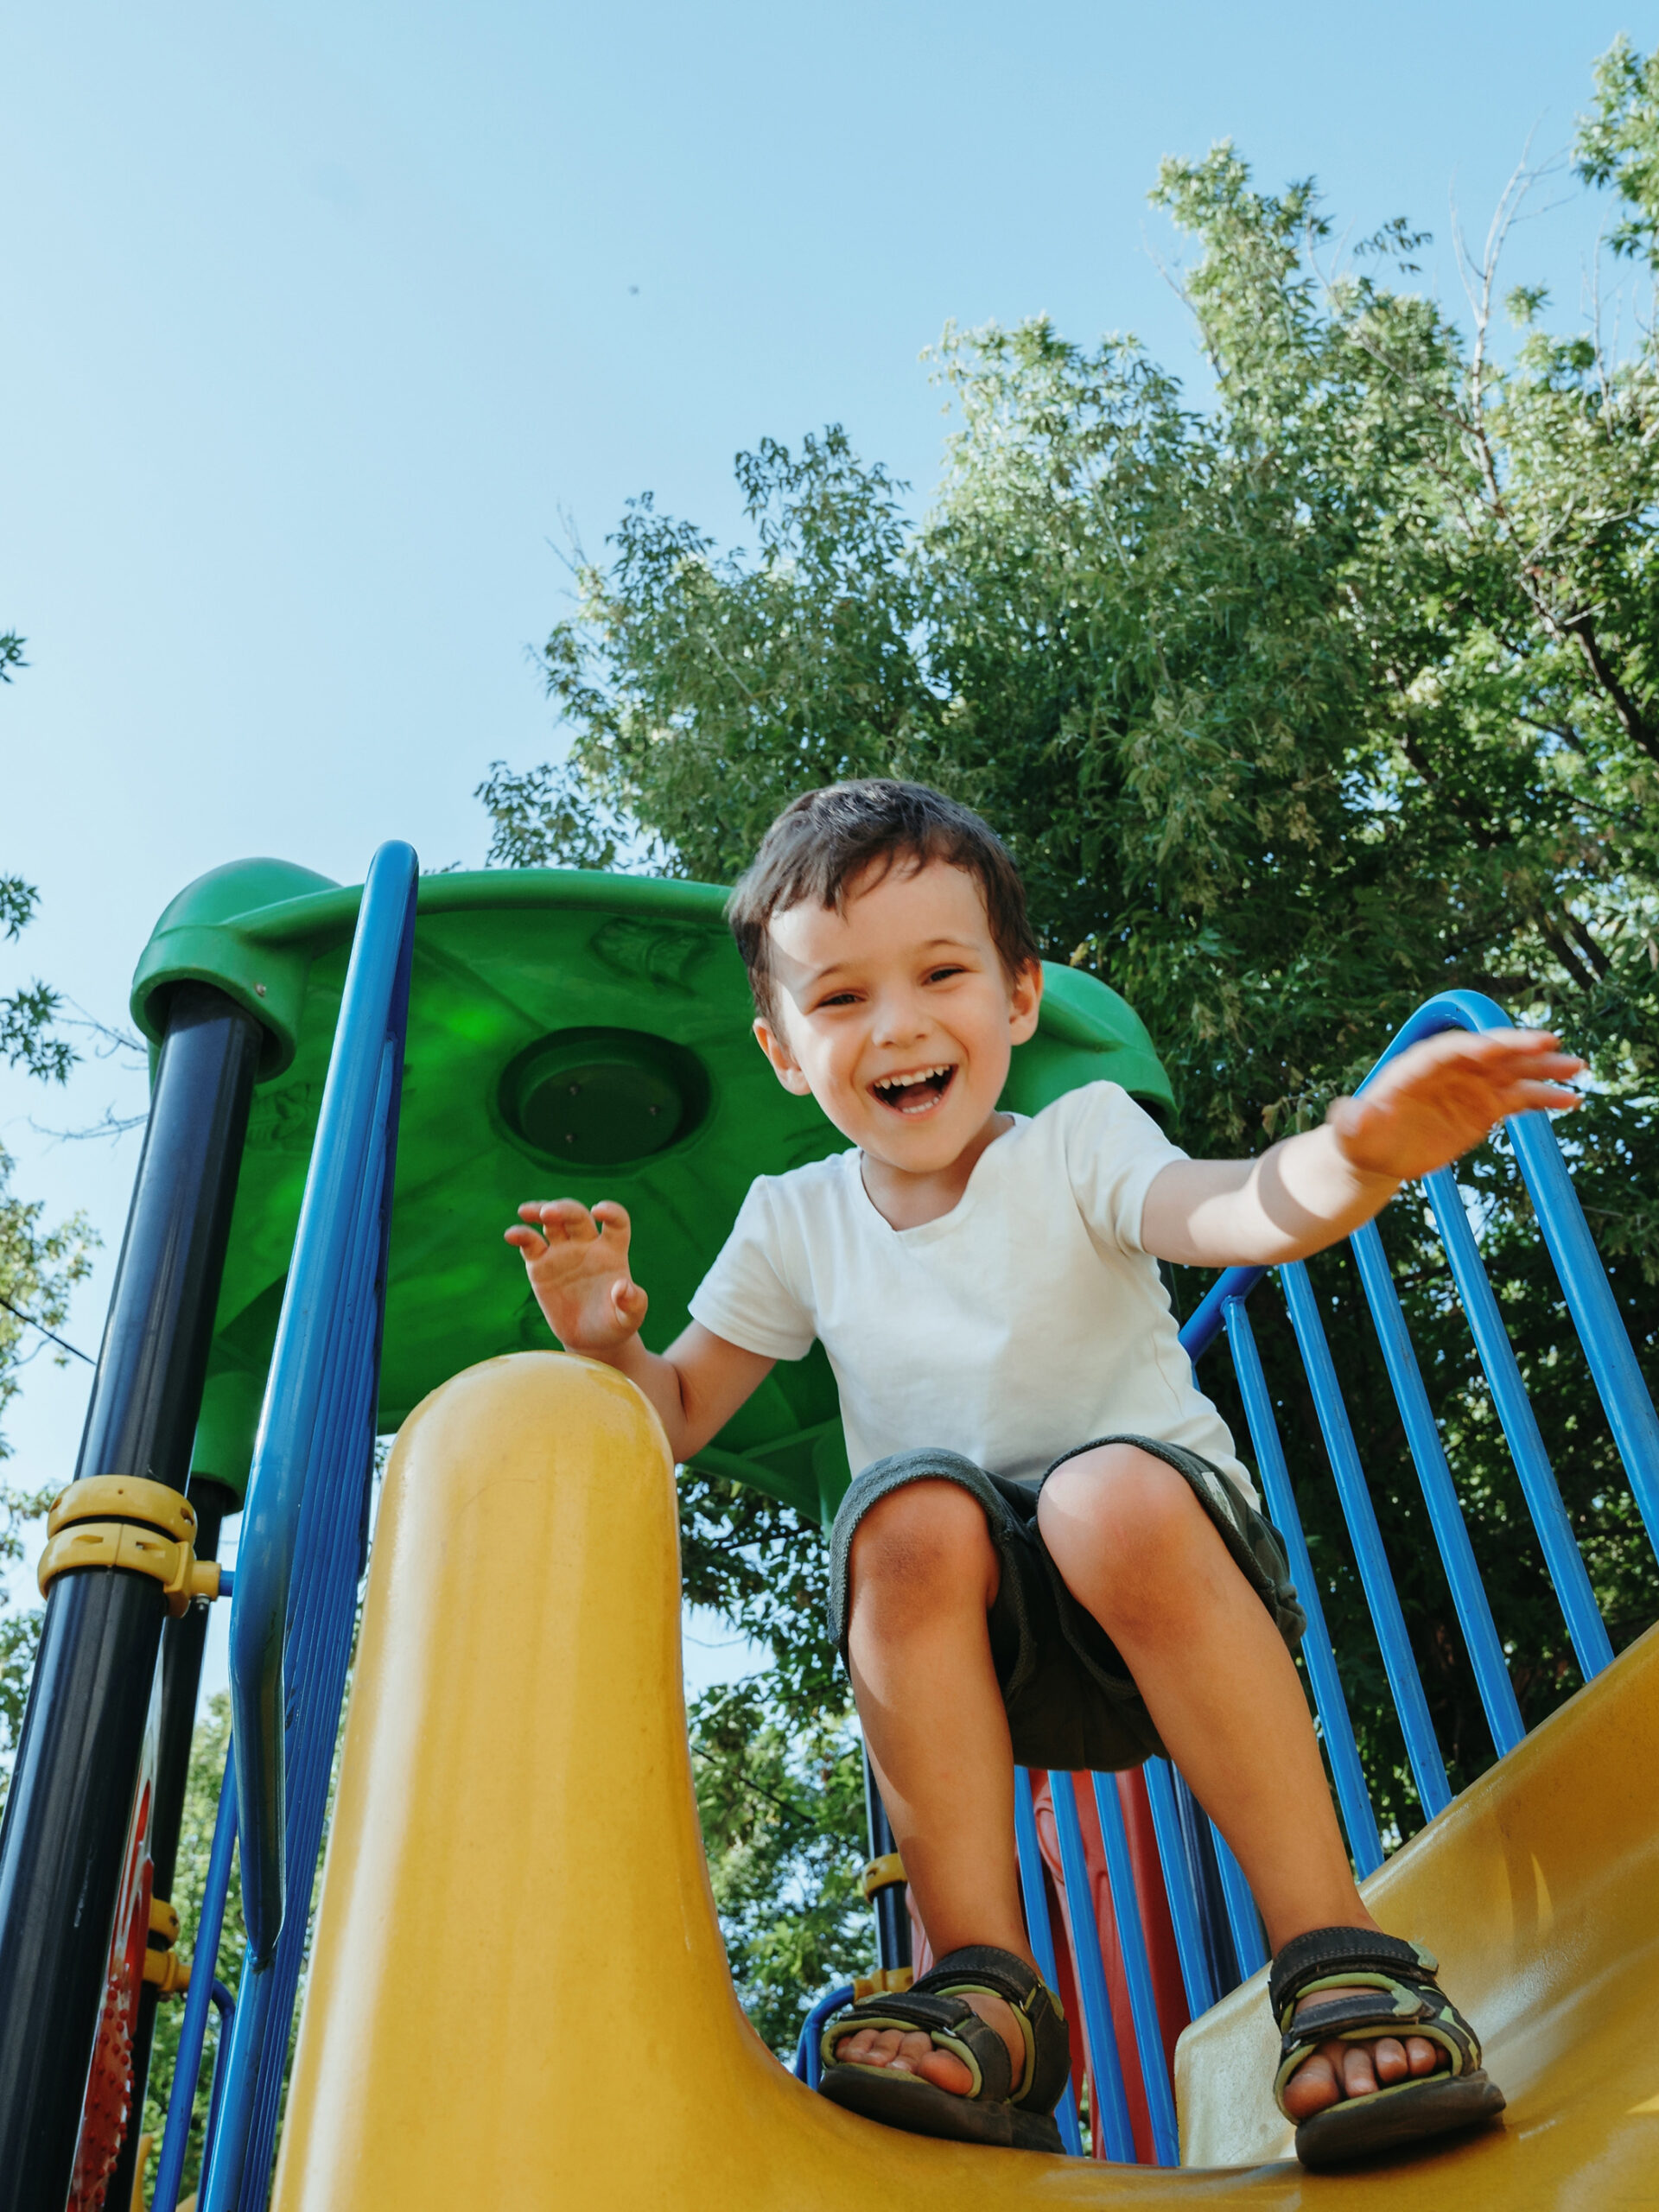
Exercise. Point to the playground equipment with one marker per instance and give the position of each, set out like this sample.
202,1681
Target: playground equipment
517,1991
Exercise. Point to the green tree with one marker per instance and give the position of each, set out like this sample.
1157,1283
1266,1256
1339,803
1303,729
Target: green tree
38,1270
1295,710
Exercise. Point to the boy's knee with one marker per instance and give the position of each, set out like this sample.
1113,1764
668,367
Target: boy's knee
925,1537
1121,1503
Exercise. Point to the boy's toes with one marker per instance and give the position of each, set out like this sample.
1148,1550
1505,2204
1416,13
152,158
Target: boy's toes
1365,2066
1423,2057
882,2047
1315,2084
943,2069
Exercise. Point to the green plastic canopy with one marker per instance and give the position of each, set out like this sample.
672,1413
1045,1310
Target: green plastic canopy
570,1034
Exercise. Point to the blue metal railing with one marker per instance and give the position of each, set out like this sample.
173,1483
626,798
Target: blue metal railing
299,1563
1634,1428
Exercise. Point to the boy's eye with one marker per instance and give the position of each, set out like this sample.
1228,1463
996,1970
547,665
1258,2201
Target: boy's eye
839,998
943,974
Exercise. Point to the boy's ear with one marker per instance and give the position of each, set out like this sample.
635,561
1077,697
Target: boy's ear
775,1045
1025,1001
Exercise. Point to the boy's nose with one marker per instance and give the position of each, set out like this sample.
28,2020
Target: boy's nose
899,1019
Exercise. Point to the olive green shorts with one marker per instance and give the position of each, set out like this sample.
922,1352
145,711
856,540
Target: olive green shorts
1072,1702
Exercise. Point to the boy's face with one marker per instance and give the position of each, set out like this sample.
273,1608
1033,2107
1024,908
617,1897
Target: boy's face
896,1013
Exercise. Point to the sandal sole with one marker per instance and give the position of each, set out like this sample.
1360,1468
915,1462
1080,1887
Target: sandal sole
1390,2119
918,2107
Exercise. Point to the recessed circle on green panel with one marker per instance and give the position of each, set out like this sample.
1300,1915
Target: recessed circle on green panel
596,1097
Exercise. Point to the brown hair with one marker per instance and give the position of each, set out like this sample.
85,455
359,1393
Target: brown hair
826,839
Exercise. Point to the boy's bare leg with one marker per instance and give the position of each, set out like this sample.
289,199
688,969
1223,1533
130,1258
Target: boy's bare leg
1135,1547
923,1574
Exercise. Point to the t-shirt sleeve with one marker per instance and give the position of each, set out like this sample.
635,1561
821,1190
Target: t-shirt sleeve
746,1296
1115,1152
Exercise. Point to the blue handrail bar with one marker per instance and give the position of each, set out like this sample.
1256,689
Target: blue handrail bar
809,2057
1422,1747
1201,1992
300,1558
1440,1493
1137,1972
1560,1546
1037,1927
1110,2114
375,1000
1336,1724
198,1998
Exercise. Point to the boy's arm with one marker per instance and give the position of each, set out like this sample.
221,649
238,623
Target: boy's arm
1426,1109
577,1262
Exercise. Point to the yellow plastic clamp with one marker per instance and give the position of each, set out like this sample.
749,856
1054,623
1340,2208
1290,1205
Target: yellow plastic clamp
167,1972
117,1543
124,1497
881,1873
164,1925
891,1981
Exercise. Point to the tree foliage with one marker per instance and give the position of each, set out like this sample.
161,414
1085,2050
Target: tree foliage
38,1269
1295,710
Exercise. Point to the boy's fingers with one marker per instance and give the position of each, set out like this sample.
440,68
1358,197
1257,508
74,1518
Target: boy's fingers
559,1219
527,1242
609,1215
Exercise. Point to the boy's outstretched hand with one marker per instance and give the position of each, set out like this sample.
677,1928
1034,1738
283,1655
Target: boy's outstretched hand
577,1262
1445,1096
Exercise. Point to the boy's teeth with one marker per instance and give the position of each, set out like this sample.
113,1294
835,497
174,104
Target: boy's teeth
892,1087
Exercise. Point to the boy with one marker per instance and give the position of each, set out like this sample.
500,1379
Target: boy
1050,1553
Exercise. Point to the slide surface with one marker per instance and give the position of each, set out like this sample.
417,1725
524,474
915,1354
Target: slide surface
518,1996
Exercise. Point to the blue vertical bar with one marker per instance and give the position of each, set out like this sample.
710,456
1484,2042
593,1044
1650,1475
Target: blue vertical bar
1137,1970
1590,1300
198,2001
1177,1887
1560,1549
1630,1413
1381,1595
1242,1915
1440,1493
1041,1935
1111,2106
1354,1798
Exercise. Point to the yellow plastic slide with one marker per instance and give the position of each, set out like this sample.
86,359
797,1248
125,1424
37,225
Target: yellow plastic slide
519,1998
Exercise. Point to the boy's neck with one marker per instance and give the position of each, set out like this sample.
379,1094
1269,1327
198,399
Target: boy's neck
904,1199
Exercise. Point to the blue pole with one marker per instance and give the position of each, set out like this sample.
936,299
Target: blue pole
1590,1300
1177,1887
1381,1595
809,2064
1111,2107
1209,1317
1241,1914
1440,1493
1038,1928
1560,1549
1137,1970
198,1998
376,980
1358,1815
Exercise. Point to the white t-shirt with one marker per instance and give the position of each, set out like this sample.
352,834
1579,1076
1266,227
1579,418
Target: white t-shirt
1025,1321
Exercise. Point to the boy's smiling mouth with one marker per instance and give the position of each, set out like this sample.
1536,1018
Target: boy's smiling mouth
915,1090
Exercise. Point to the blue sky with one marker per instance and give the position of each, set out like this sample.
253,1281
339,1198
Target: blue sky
322,329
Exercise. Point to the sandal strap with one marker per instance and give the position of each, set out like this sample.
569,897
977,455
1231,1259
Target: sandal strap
987,1971
952,2024
1406,2002
1320,1953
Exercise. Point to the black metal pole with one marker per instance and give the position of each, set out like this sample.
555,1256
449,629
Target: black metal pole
891,1914
77,1766
183,1642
